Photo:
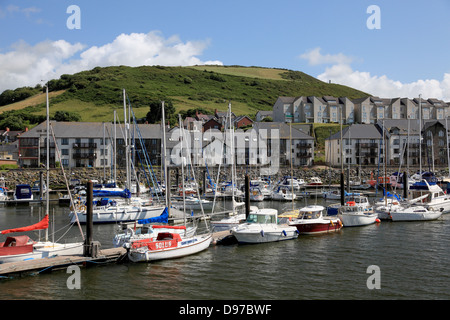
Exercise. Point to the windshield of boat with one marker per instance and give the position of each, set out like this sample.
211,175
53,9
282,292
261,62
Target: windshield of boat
310,215
261,218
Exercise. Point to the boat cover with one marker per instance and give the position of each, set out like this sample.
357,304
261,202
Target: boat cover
163,218
43,224
110,193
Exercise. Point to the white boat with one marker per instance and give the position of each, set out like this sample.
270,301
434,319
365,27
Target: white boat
3,189
415,213
283,193
146,229
167,245
332,195
117,213
436,200
353,215
263,186
315,181
192,203
261,226
256,194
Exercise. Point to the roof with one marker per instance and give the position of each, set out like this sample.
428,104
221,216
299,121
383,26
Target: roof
358,131
283,130
89,130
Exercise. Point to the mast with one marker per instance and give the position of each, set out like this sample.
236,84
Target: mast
166,180
128,186
115,150
47,206
448,154
420,135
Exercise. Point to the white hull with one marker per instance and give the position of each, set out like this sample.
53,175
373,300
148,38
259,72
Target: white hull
120,214
186,247
443,206
355,219
46,250
283,196
264,233
409,215
228,223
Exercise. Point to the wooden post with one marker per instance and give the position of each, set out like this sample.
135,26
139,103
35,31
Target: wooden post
247,195
405,185
89,221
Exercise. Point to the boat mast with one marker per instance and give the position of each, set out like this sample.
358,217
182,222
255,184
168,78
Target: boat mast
47,206
128,186
420,135
448,154
166,180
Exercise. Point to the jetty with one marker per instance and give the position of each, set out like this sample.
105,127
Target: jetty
37,266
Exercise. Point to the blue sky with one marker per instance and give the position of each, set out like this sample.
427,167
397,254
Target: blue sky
327,39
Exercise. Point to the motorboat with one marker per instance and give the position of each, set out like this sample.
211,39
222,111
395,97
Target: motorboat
310,220
262,226
436,198
255,194
23,194
283,193
315,181
336,194
353,214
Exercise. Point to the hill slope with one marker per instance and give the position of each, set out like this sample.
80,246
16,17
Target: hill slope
94,94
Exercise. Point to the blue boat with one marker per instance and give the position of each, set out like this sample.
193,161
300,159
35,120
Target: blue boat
23,193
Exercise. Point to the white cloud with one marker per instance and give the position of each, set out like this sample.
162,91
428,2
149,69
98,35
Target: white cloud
314,58
341,72
27,65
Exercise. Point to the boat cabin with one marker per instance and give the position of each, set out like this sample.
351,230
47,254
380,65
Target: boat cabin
263,216
311,212
23,191
16,245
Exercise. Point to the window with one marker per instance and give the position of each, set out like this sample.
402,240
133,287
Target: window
64,141
65,152
65,162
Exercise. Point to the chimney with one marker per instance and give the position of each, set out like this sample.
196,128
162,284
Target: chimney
7,129
26,129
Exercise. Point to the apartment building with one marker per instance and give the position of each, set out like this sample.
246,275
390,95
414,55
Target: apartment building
363,110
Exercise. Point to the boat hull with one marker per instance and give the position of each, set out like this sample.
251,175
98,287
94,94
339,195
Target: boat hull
332,225
246,235
415,216
117,214
185,247
46,250
356,220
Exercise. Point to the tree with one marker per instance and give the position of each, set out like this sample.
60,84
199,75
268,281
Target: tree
155,115
66,116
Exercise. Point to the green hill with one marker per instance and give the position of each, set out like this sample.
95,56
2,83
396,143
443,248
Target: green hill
94,94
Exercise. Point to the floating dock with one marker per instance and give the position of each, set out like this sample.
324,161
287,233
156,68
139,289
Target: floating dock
37,266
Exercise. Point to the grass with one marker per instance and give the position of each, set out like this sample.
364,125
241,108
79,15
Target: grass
94,94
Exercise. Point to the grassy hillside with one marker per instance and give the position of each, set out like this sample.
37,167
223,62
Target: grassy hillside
94,94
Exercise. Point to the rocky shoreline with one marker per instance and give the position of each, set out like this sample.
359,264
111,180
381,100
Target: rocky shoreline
328,175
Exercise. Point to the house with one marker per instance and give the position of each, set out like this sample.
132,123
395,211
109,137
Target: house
242,121
212,123
261,115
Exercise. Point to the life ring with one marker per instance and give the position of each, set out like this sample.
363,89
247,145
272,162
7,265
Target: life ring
351,203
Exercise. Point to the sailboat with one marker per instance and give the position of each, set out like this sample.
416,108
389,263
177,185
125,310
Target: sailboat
19,248
170,244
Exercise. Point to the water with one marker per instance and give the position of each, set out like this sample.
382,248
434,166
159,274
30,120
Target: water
413,258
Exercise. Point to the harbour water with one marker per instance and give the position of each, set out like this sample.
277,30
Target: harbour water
412,257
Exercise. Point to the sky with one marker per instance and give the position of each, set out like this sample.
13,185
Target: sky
387,48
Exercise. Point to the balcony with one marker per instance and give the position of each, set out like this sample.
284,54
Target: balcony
303,155
78,156
366,145
304,145
89,145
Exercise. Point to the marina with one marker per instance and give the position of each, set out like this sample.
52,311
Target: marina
402,250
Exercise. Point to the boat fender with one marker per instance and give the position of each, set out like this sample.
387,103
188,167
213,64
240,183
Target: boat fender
262,233
284,232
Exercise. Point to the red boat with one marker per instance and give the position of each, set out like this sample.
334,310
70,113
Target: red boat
311,221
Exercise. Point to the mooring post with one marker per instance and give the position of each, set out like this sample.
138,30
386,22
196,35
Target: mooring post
247,195
89,221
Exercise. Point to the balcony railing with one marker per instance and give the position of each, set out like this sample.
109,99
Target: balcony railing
77,156
78,145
